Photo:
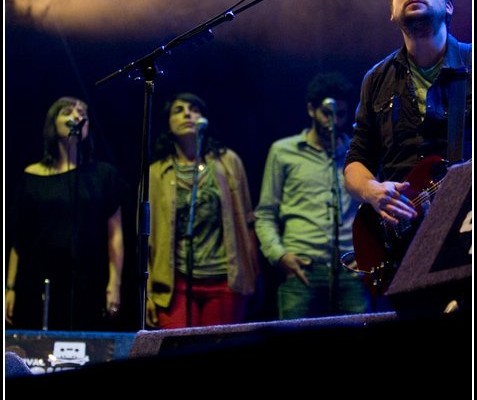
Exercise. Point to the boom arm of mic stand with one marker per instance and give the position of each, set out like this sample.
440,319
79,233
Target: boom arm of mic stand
228,15
148,69
149,58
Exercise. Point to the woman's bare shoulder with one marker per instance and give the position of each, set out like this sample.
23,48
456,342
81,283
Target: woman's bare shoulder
38,169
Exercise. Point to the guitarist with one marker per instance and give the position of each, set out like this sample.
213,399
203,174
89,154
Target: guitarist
403,112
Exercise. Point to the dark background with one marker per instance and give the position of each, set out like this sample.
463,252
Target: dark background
253,75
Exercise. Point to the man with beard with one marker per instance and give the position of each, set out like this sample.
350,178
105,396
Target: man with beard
304,216
409,103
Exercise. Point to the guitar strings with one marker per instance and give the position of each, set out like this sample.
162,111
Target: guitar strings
424,195
420,199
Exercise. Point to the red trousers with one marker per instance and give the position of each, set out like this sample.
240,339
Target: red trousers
212,303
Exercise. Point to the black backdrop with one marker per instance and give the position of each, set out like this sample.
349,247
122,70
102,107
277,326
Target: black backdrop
252,74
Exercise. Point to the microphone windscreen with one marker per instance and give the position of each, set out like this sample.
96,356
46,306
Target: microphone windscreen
330,104
202,123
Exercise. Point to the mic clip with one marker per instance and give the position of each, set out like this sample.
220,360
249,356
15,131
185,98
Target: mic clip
75,129
74,132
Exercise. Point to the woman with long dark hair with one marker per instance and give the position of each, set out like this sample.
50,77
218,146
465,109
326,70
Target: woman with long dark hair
203,254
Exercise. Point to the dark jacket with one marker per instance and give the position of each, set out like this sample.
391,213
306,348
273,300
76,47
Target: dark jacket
389,136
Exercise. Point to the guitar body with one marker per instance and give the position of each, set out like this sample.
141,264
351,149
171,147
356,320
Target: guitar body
379,246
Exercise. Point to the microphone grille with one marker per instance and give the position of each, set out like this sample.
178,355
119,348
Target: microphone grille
329,103
202,123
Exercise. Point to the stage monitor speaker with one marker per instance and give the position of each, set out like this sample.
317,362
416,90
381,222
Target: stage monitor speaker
225,337
436,270
277,357
15,366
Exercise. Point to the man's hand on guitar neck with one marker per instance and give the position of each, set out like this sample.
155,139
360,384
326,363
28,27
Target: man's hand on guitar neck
388,200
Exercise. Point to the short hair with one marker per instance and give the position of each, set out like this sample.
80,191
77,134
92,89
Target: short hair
330,84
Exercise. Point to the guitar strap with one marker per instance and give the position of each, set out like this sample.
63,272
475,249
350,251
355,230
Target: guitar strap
457,105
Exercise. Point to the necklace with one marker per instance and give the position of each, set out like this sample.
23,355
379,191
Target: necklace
185,173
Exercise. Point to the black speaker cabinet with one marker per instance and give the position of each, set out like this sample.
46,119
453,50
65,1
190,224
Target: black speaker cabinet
436,270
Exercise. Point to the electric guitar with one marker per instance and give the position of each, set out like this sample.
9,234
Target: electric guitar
380,246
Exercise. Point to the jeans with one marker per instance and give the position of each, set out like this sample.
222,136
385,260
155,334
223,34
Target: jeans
342,292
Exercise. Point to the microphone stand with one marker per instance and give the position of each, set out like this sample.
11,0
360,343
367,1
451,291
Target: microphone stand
190,228
46,305
147,72
143,203
337,221
75,136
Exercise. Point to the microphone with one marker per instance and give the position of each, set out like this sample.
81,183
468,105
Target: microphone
75,129
329,104
202,123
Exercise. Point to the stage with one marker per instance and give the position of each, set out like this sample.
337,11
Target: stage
360,354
